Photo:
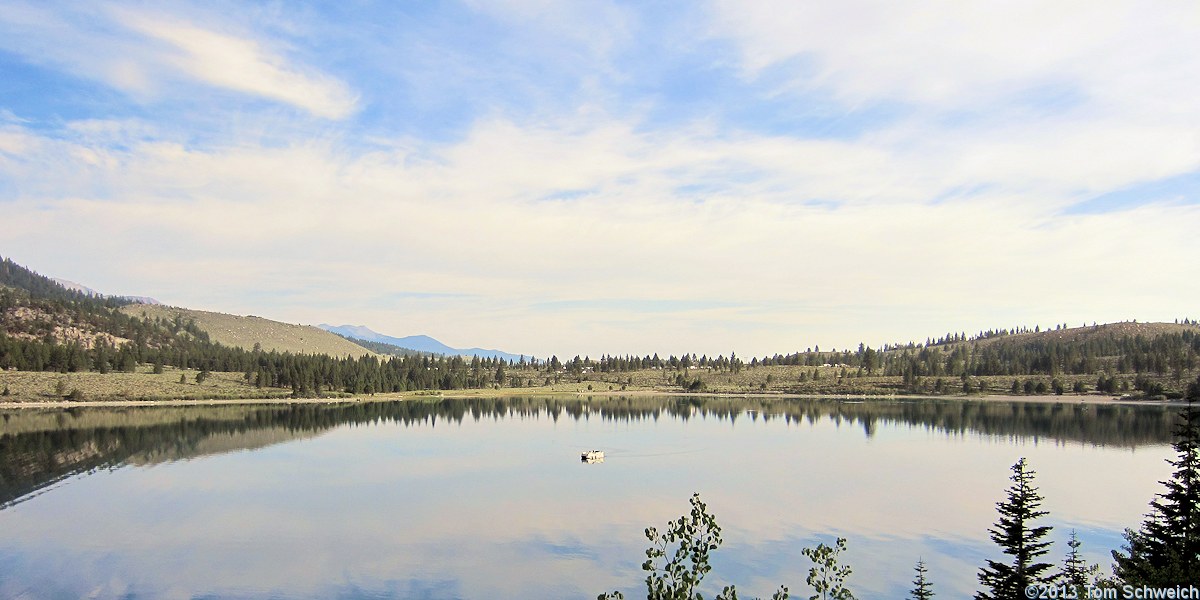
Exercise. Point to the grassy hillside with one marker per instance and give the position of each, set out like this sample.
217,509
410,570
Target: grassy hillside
1123,329
834,381
142,384
1136,359
245,332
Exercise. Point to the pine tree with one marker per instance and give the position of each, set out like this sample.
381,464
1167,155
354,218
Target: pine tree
1076,573
1018,538
101,360
923,589
1166,551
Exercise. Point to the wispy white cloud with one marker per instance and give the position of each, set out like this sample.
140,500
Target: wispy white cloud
243,65
473,218
147,55
1075,94
955,54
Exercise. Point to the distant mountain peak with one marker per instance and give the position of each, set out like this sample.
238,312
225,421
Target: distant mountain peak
83,289
419,343
77,287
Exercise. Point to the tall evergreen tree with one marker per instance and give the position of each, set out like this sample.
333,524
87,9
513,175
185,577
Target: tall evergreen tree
1019,538
923,589
1166,551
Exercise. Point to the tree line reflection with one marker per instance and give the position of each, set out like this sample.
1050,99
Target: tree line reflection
39,448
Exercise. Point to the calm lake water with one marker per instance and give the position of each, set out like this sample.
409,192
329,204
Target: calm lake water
488,498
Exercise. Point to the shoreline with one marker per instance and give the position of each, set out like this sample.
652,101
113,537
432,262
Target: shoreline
1083,399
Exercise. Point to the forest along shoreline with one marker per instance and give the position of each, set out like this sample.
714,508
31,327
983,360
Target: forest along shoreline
61,347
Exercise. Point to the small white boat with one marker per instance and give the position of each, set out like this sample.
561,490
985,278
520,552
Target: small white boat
592,456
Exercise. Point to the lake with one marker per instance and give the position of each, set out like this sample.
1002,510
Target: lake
488,498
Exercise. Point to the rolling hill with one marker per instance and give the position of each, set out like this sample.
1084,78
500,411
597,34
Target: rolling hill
245,332
1074,335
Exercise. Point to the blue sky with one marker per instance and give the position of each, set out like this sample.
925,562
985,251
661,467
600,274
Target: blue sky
571,177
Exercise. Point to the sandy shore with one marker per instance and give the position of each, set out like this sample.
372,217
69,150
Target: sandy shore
185,402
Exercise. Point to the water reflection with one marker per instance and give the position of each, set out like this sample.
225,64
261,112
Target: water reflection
41,447
487,498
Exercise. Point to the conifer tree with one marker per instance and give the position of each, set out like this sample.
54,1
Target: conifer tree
1019,538
1166,550
923,590
1077,574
